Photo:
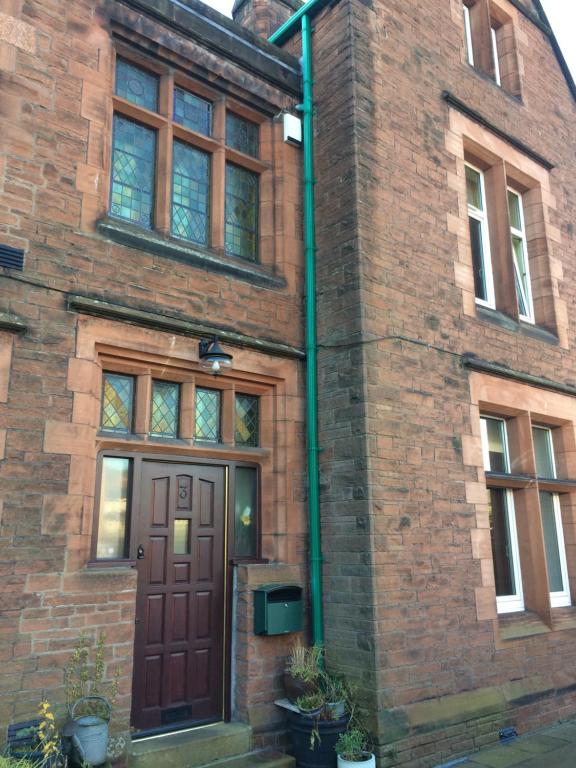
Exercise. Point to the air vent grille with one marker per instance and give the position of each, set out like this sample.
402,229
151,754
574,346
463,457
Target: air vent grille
12,258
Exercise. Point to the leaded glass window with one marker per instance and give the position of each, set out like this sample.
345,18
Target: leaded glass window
207,425
241,232
133,166
246,421
241,134
192,112
165,407
117,403
190,193
136,85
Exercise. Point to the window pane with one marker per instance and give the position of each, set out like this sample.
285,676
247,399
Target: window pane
473,188
164,412
190,193
553,564
241,134
521,276
502,552
241,237
181,537
207,415
136,85
192,111
117,403
113,514
495,445
245,513
246,427
543,450
133,168
476,240
514,210
468,34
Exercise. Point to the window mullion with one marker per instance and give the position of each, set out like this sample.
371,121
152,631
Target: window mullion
218,178
164,158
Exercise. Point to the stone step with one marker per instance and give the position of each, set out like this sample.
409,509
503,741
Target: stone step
193,748
259,759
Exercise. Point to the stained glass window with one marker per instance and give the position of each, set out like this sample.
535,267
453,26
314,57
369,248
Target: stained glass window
245,511
246,422
241,134
192,112
133,165
241,235
190,193
113,513
164,415
136,85
207,415
117,403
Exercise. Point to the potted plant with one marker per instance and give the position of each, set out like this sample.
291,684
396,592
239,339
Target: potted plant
352,749
310,705
88,706
336,694
303,671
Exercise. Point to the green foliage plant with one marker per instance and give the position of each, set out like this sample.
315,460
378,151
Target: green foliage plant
305,663
352,745
84,676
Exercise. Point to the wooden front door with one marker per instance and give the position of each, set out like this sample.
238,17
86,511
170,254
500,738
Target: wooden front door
179,639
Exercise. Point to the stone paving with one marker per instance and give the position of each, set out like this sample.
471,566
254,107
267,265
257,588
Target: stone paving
553,747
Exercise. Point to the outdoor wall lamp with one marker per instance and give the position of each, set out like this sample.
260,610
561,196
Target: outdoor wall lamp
212,357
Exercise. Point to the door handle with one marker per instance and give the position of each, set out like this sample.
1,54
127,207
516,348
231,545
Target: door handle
140,553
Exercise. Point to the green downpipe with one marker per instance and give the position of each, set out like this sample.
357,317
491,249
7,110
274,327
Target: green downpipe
316,596
311,339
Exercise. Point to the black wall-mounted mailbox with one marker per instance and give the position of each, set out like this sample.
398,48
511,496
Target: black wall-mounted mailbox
277,609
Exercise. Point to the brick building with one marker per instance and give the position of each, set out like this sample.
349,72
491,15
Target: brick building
148,202
444,154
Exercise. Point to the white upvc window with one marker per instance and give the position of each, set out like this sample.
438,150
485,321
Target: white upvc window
479,237
468,34
495,56
551,513
520,256
502,515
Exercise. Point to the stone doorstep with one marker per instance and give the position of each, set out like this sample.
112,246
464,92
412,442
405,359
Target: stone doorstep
193,748
260,759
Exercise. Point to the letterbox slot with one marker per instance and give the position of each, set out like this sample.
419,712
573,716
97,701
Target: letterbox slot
285,595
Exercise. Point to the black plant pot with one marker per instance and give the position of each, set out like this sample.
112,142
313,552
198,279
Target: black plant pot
323,755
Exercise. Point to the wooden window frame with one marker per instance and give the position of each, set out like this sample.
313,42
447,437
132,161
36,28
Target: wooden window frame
521,233
482,217
506,603
530,511
168,131
131,542
498,179
490,42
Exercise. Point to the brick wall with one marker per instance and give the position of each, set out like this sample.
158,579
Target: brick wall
399,518
56,73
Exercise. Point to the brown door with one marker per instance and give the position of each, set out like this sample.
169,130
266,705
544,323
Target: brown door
179,641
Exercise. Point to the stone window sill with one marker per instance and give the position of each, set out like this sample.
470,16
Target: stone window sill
519,625
495,317
147,240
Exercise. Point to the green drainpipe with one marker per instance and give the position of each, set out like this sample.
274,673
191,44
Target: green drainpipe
311,341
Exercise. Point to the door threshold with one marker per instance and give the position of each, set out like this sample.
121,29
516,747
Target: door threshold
168,730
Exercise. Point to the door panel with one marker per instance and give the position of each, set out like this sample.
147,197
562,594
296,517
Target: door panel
179,652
